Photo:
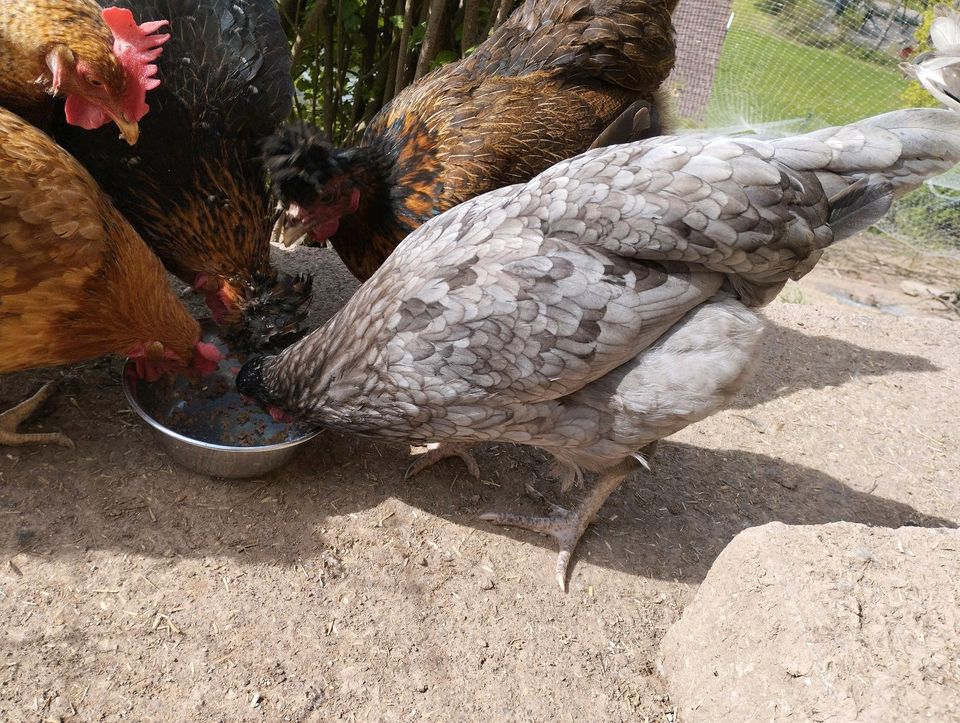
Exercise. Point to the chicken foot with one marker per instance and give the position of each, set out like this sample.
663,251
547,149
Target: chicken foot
566,526
437,451
12,418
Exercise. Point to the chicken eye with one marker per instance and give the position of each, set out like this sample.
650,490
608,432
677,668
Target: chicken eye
94,82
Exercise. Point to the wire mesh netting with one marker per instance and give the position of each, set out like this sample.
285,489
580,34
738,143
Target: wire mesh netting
775,67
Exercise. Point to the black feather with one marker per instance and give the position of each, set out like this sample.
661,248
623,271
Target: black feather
250,378
227,61
300,161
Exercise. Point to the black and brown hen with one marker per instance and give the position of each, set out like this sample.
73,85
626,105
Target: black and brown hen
194,187
540,89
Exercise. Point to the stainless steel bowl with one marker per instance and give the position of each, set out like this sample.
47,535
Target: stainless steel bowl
217,433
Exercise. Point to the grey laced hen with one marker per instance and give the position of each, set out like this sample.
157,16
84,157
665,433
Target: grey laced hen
602,306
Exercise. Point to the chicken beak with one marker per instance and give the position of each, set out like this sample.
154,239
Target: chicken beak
294,233
129,130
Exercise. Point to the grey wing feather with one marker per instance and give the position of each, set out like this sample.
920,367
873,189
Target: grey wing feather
860,205
533,291
483,302
741,205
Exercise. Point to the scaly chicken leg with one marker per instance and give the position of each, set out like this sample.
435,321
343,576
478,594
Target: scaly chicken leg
12,418
566,526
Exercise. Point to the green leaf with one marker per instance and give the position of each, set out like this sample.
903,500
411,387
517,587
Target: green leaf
417,35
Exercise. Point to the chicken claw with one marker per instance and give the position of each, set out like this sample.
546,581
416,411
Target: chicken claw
437,451
12,418
566,526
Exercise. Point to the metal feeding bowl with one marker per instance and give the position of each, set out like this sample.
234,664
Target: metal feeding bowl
205,425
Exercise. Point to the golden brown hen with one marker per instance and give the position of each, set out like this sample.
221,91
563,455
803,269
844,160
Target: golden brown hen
76,281
100,61
538,90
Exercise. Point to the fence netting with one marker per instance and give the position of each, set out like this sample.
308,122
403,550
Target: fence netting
775,67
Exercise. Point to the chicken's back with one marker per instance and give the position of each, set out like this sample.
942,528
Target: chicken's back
628,44
540,89
226,64
76,281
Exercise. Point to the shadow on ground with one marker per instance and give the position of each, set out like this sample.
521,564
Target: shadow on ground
793,361
116,491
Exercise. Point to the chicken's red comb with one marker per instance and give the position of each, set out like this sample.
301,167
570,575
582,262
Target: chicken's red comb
136,47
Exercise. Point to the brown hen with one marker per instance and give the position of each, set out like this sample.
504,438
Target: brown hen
100,61
76,281
539,89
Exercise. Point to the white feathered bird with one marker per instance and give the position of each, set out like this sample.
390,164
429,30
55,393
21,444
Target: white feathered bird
936,69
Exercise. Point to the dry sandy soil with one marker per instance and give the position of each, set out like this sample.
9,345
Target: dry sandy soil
130,588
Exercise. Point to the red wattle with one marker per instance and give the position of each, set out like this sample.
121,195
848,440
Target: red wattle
278,415
323,231
83,113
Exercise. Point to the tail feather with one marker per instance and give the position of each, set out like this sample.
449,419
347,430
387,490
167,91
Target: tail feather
945,29
860,205
906,147
640,120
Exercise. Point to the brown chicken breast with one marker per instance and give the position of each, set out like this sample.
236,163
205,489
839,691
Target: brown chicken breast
76,281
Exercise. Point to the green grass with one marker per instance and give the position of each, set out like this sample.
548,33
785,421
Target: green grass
763,77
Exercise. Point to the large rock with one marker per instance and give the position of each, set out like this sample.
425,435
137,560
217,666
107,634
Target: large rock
837,622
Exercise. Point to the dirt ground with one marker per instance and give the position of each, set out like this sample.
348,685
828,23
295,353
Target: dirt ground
130,588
